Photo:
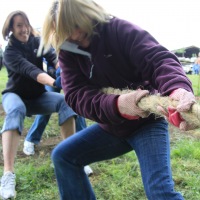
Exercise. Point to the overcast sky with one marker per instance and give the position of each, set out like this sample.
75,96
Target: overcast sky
174,23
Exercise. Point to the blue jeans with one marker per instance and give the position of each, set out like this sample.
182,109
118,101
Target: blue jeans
35,132
17,108
93,144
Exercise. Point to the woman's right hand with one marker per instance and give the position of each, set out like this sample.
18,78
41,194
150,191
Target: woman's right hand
127,104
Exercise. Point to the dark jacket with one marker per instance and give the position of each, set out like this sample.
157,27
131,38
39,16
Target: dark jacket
23,67
122,56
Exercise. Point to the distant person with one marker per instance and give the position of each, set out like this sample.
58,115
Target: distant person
97,50
196,68
25,93
1,57
197,64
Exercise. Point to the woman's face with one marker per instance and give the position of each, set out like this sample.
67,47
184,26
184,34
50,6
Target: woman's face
80,38
21,29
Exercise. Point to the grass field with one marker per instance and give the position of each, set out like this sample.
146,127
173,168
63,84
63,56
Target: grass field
116,179
195,79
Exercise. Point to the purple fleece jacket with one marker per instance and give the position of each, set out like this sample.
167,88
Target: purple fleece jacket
122,56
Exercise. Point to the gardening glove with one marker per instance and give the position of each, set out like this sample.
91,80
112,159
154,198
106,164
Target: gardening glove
186,100
57,83
51,71
127,105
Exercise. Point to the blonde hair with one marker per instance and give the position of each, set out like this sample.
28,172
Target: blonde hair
8,24
64,16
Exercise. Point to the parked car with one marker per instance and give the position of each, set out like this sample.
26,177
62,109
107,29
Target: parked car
188,68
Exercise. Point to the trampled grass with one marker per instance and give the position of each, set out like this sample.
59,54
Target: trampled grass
114,179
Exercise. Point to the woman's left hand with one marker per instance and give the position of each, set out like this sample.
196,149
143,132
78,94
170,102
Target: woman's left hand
185,101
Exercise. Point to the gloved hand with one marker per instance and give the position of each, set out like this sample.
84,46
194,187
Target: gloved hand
186,100
51,71
127,105
57,83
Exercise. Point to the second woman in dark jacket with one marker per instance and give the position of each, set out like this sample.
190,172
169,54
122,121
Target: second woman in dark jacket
25,93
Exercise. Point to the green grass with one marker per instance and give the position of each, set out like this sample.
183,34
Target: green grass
114,179
36,180
195,79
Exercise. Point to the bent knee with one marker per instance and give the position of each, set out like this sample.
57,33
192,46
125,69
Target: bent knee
65,113
56,155
18,110
14,121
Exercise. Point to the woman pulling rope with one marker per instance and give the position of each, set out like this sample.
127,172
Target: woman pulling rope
179,114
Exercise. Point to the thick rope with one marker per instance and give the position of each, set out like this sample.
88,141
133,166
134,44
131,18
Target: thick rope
151,102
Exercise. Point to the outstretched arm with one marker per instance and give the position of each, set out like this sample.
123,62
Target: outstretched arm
45,79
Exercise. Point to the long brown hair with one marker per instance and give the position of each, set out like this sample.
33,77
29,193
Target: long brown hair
8,24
